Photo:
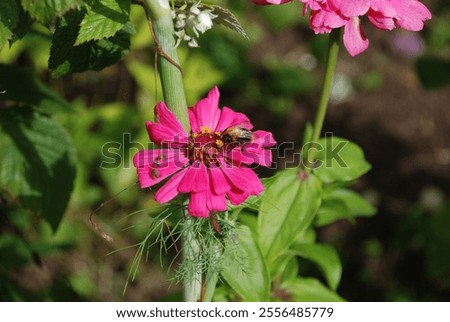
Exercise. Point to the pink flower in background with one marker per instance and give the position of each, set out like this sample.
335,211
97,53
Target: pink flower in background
384,14
211,163
327,15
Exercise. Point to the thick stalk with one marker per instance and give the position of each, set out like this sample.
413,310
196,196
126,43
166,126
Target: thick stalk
168,62
192,284
175,98
330,67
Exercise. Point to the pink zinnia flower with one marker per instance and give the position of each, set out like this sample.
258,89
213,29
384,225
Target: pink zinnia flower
327,15
384,14
211,163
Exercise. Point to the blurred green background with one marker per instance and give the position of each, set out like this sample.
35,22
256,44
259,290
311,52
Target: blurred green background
393,100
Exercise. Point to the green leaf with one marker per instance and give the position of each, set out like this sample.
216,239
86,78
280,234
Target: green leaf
9,17
290,271
104,19
327,259
279,265
287,208
226,18
310,290
45,11
21,85
23,26
67,58
246,271
14,252
341,203
38,162
340,160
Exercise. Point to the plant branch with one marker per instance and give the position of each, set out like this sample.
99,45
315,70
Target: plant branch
169,66
330,67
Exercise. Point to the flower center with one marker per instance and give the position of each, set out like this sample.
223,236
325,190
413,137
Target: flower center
205,146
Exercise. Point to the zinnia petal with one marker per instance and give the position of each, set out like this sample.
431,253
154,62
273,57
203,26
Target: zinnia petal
216,202
354,39
411,14
230,118
237,197
166,128
187,184
206,111
218,181
169,190
243,175
153,166
350,8
197,204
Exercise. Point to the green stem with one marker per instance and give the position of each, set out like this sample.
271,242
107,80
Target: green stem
330,67
175,98
192,284
171,76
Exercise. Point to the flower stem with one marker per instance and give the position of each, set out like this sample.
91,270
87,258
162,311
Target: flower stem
330,67
192,284
174,96
168,62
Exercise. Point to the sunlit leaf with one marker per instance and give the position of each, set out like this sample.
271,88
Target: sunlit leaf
9,16
310,290
288,207
326,258
104,18
341,203
45,11
67,58
339,160
244,268
38,162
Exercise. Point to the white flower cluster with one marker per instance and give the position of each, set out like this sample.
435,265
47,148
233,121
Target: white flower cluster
191,21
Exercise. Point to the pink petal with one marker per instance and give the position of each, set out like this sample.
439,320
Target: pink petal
218,182
350,8
206,111
216,202
198,204
187,184
380,21
202,178
169,190
153,166
384,8
244,179
230,118
263,157
237,197
254,152
240,156
264,139
166,127
411,14
354,39
193,121
322,21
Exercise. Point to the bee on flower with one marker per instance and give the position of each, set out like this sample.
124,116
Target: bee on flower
211,163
